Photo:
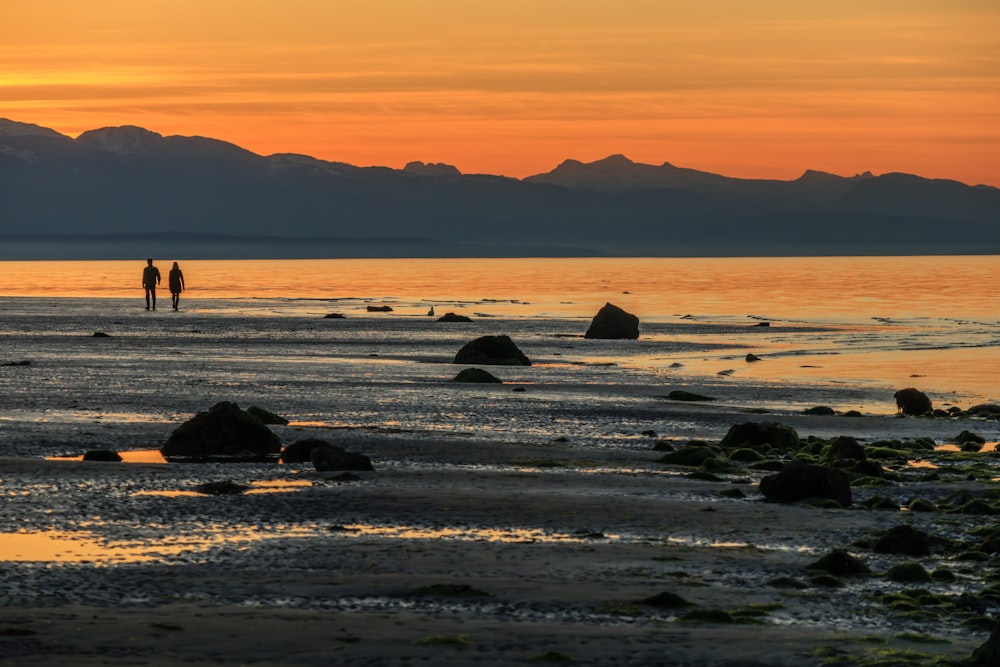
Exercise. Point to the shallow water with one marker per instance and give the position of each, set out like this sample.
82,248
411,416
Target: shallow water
843,332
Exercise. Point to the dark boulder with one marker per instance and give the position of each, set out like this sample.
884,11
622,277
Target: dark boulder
102,455
223,433
911,401
300,451
492,351
969,436
379,309
758,434
840,563
988,653
846,447
868,468
101,334
799,480
452,317
689,455
333,316
477,375
611,322
820,410
987,410
903,539
266,417
750,358
327,457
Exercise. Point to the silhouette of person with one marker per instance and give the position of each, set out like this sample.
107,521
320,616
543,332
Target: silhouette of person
176,281
150,279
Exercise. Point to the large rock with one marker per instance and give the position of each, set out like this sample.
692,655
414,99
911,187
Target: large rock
840,563
799,480
300,451
492,351
223,433
327,457
988,653
903,539
759,435
846,447
987,410
613,322
910,401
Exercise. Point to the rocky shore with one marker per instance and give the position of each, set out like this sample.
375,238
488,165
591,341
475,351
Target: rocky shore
455,550
589,507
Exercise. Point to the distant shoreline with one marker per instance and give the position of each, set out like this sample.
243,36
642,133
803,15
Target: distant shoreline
71,247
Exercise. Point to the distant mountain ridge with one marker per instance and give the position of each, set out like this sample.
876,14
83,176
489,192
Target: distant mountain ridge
106,191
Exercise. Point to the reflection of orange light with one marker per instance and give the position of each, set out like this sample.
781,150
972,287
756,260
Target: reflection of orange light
77,547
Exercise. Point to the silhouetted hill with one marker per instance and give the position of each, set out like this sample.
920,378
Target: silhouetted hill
114,191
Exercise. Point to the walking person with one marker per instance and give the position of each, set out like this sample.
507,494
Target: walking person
176,281
150,279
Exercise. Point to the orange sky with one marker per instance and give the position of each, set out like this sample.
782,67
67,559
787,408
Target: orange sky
753,89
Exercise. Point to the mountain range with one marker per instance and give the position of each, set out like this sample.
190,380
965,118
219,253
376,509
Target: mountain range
122,192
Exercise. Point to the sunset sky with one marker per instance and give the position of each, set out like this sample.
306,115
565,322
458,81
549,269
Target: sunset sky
752,89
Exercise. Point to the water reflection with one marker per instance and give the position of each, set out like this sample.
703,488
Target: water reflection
469,533
87,547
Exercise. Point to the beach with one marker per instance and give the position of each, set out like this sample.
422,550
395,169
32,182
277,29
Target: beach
516,523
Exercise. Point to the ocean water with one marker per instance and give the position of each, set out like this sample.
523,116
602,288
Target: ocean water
841,332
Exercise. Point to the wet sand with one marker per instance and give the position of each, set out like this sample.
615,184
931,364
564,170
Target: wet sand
499,526
459,551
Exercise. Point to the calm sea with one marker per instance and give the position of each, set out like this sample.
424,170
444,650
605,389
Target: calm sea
813,288
873,322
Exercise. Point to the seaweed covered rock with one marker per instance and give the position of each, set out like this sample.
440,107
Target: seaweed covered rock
757,435
799,480
840,563
689,455
911,401
846,447
903,539
492,351
224,433
910,572
611,322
